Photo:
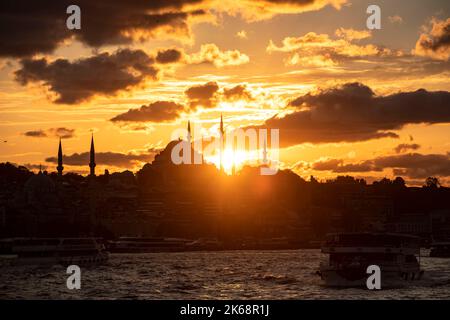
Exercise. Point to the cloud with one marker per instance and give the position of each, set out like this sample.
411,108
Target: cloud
406,146
395,19
320,50
413,165
255,10
159,111
203,95
236,93
352,112
40,27
61,132
169,56
117,159
72,82
338,166
36,134
242,34
435,43
210,53
80,80
352,34
30,27
417,166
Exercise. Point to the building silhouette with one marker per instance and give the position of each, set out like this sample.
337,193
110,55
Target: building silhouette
196,200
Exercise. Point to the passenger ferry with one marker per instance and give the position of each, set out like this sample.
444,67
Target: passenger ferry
440,249
398,257
147,245
64,251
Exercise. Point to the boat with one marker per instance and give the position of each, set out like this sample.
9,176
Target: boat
350,254
440,249
147,245
63,251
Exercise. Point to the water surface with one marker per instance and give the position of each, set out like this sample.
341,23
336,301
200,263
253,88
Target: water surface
209,275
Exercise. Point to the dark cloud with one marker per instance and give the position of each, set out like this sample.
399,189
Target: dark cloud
436,42
406,146
28,27
238,92
206,95
117,159
417,166
36,134
169,56
338,166
159,111
413,165
353,112
61,132
203,95
77,81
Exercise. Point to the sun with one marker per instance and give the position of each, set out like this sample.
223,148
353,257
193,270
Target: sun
230,158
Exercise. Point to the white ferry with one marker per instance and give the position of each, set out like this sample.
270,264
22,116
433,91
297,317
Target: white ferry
64,251
398,257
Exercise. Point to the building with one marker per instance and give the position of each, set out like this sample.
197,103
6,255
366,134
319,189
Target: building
418,224
371,210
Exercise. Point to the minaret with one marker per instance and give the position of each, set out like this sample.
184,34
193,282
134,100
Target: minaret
189,136
221,142
92,157
265,160
233,167
60,167
221,125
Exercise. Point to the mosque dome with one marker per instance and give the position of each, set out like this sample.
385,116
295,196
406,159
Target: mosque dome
39,186
165,156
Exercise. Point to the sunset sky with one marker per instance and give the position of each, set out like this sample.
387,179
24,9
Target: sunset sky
346,100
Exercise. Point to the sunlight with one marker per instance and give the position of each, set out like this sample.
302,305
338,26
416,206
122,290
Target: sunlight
230,158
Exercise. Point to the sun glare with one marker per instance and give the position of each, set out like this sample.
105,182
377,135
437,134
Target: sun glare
231,158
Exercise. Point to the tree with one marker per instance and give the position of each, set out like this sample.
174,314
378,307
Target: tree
399,182
432,183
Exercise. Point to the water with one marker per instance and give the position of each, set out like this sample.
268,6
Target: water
208,275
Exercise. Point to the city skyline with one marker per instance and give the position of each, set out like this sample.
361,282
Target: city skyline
347,100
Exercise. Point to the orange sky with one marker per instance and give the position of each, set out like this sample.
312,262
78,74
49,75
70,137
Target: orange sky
249,60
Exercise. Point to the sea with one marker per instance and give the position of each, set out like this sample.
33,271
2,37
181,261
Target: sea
209,275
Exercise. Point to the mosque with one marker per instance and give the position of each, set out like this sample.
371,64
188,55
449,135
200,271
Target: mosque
162,198
122,202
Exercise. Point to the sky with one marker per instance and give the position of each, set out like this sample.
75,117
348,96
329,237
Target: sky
346,99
